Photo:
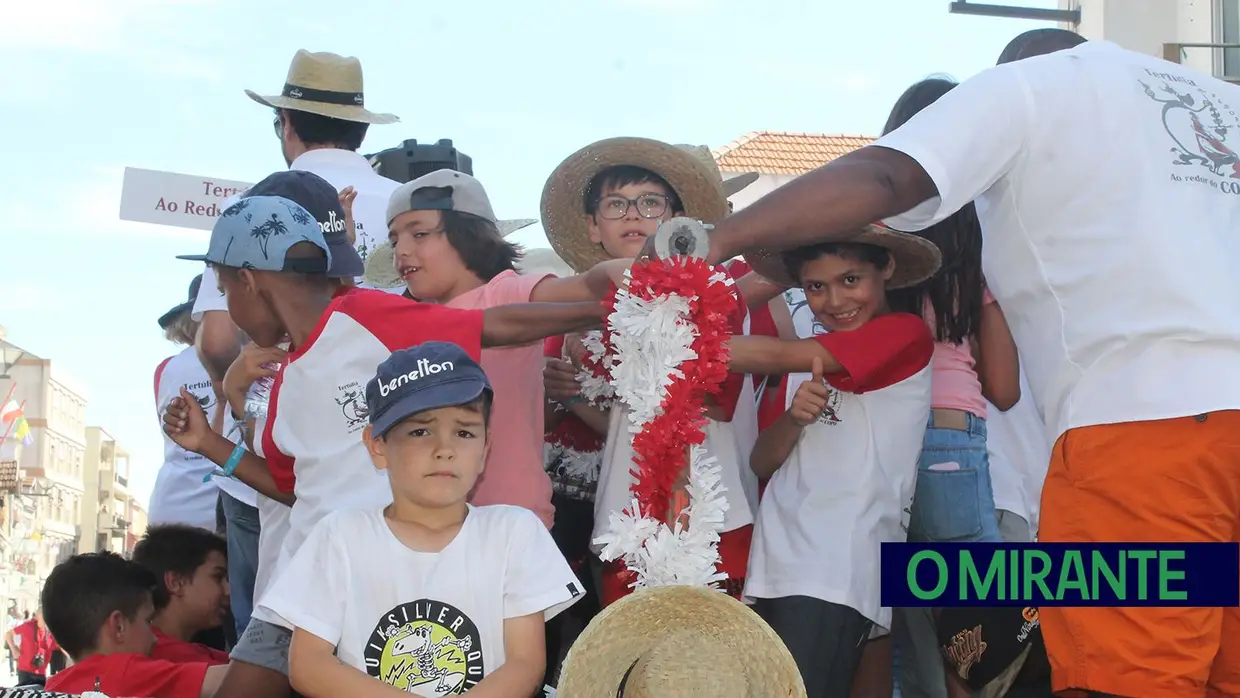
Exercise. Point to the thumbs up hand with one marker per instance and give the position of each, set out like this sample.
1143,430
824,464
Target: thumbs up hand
810,398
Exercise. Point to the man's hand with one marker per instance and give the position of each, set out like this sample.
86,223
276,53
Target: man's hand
185,422
560,380
810,398
347,196
250,366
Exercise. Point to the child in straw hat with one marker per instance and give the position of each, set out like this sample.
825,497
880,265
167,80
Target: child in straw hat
842,458
459,601
601,203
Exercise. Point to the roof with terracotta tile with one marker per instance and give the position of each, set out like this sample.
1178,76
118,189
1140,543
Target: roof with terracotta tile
774,152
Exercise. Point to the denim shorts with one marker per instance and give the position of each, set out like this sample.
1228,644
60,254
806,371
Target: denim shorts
264,645
954,500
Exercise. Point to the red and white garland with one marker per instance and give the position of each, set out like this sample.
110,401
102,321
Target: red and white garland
662,353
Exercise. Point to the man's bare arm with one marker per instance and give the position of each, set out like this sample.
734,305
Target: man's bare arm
850,192
218,343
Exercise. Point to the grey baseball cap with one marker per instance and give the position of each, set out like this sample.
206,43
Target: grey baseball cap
441,190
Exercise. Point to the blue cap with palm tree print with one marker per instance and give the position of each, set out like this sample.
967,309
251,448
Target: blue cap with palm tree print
257,232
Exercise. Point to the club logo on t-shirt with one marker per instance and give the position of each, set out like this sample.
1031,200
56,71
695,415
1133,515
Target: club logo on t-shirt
1030,616
830,414
352,402
426,647
1200,124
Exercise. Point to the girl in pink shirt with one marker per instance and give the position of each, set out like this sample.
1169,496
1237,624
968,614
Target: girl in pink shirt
974,360
448,249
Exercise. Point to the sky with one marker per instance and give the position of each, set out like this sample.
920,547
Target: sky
92,87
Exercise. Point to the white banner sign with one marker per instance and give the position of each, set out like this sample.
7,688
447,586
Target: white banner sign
181,200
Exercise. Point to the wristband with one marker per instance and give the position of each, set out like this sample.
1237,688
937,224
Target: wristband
230,465
571,401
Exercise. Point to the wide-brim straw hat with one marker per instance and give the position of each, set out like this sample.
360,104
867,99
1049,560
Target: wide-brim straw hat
679,642
564,216
381,262
326,84
916,258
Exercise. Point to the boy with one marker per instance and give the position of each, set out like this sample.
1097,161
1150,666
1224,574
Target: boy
191,591
842,459
604,202
459,601
271,261
99,607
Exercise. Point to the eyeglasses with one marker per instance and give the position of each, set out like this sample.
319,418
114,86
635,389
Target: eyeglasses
278,125
614,207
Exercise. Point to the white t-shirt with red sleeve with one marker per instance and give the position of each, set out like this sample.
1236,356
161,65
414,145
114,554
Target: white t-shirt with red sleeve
844,487
316,418
514,472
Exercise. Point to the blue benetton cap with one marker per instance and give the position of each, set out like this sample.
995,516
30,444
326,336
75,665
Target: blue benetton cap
425,377
320,198
257,232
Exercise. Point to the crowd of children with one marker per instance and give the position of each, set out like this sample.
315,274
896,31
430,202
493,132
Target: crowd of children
433,477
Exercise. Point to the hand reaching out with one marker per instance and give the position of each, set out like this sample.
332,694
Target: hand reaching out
810,398
560,380
185,422
249,366
347,197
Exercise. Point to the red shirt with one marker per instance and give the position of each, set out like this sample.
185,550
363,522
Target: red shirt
33,641
174,650
131,676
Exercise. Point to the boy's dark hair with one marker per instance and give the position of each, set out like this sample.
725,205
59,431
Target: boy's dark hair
623,176
795,260
478,241
84,590
1038,42
175,548
955,293
315,129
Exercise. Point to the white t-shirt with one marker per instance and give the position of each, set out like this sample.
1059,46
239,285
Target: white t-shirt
1019,456
272,528
844,488
430,623
180,496
317,409
1108,190
345,168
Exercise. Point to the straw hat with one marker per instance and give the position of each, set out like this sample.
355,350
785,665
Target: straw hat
917,259
381,262
324,84
563,199
679,642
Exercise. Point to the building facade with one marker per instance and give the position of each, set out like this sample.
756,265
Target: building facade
107,495
1203,34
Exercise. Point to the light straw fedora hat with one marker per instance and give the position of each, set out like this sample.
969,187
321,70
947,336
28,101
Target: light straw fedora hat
916,258
564,216
324,84
679,642
381,262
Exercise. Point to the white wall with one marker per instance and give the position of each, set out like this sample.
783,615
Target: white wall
1145,25
765,184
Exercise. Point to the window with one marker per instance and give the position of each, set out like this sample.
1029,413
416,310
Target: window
1227,31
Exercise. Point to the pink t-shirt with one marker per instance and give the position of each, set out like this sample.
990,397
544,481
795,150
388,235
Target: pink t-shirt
954,382
514,471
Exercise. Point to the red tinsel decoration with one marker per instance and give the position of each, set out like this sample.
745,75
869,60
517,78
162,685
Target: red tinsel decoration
659,448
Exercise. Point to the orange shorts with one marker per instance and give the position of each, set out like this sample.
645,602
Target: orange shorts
1173,480
733,561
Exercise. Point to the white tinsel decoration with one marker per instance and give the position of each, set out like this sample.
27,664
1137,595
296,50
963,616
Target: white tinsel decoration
579,465
652,338
663,556
597,390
